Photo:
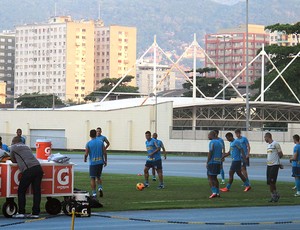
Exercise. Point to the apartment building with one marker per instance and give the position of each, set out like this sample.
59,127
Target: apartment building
55,58
115,52
144,78
7,63
227,49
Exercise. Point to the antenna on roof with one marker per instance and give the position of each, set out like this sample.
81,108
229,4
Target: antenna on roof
99,10
55,9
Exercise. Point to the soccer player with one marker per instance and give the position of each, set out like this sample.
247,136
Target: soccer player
223,151
98,158
274,153
246,147
236,152
295,160
161,146
107,144
213,164
153,160
102,138
3,146
19,134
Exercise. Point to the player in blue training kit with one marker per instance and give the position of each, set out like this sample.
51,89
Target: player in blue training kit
162,147
236,152
153,160
246,147
213,164
97,157
295,160
107,144
223,152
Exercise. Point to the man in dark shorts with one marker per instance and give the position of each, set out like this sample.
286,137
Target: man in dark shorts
153,160
237,153
274,153
295,160
96,151
32,174
213,164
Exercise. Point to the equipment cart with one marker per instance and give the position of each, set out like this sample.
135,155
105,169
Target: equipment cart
58,181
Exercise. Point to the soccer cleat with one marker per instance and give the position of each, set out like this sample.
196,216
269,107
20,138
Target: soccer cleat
32,216
214,195
18,216
297,194
294,188
276,198
100,190
224,189
146,185
222,182
161,186
94,196
154,178
247,188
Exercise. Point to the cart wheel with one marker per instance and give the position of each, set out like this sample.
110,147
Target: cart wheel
53,206
9,208
67,207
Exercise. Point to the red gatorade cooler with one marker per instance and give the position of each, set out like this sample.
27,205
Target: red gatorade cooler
43,148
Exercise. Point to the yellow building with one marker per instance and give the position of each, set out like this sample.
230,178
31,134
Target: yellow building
2,92
115,52
79,59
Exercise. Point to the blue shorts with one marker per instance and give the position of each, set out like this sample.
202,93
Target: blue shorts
295,171
236,166
96,170
213,169
154,164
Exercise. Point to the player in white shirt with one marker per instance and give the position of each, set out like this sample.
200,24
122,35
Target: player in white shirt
274,153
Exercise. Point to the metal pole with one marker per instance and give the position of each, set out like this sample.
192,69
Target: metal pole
247,67
154,65
156,113
194,68
262,74
224,39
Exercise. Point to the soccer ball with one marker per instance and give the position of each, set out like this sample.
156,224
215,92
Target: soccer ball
140,186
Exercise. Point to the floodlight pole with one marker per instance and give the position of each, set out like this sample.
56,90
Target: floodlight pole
247,68
155,79
194,67
262,73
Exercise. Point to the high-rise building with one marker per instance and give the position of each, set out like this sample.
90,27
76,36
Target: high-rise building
227,49
7,63
55,58
115,52
144,78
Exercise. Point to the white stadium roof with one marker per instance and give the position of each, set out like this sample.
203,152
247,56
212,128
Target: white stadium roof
178,102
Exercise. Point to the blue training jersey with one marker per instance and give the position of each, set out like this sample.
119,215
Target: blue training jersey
216,148
5,148
160,144
102,138
151,146
222,141
244,143
235,150
296,150
95,148
23,140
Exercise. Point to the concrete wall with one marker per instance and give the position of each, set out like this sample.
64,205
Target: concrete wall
124,128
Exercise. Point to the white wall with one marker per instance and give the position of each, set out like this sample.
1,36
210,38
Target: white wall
124,128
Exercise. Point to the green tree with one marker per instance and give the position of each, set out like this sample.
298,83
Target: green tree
37,100
209,86
109,83
281,56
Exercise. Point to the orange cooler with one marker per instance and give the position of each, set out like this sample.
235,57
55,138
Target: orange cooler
43,148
